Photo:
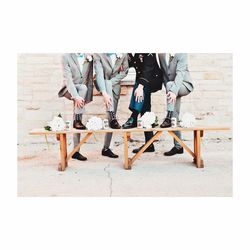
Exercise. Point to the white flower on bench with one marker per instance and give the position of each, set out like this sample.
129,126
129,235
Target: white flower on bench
94,123
188,120
57,124
148,119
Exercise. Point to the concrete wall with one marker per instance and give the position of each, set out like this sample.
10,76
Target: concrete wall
40,78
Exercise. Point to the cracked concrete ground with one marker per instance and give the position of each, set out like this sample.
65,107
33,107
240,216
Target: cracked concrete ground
152,174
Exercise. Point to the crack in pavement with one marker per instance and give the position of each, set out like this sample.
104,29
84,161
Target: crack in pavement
110,178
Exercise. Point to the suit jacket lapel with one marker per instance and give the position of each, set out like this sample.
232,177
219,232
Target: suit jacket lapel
74,57
163,62
108,60
158,60
118,63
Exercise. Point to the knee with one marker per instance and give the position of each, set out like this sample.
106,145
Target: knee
82,87
82,90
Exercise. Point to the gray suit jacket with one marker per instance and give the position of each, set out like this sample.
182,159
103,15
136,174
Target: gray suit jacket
176,71
73,75
105,74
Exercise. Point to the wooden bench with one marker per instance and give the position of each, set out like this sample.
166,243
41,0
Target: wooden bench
198,133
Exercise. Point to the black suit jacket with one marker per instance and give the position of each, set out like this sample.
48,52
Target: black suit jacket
148,72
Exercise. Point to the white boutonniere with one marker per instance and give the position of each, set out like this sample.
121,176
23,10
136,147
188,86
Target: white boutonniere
119,55
141,57
89,58
188,120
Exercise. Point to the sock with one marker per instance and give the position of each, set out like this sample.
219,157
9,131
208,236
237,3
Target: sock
134,115
112,115
76,117
170,114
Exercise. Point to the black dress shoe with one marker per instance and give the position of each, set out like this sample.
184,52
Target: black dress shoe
77,124
79,157
166,123
151,148
107,152
114,124
130,123
174,151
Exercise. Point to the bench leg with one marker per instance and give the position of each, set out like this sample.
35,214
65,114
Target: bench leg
129,136
147,144
195,146
127,161
84,139
198,161
63,152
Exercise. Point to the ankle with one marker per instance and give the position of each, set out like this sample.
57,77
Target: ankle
77,117
169,114
112,115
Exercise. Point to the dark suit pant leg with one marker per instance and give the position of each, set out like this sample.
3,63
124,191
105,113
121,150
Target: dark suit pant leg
147,108
133,104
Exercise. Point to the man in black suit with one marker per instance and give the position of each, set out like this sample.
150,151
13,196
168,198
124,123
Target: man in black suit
149,79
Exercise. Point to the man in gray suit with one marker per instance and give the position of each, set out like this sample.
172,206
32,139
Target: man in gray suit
77,87
178,83
110,69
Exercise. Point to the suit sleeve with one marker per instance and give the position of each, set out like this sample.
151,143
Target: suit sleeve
148,68
180,73
123,73
67,75
99,73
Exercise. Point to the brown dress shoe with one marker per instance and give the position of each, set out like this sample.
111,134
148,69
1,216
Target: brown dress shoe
166,123
114,124
77,124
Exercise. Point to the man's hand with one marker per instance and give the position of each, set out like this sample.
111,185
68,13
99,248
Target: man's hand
107,99
139,93
79,101
171,97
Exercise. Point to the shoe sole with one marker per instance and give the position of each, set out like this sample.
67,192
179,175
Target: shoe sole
145,152
78,159
111,156
174,154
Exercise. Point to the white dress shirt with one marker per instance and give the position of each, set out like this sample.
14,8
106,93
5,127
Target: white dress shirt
81,60
113,59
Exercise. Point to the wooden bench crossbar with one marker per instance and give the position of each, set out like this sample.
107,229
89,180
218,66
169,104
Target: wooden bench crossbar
195,154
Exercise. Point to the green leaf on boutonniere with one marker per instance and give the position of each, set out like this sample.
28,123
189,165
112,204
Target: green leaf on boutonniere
156,123
60,115
48,128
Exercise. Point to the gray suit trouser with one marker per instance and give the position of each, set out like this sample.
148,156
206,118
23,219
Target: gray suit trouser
82,91
183,91
115,99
